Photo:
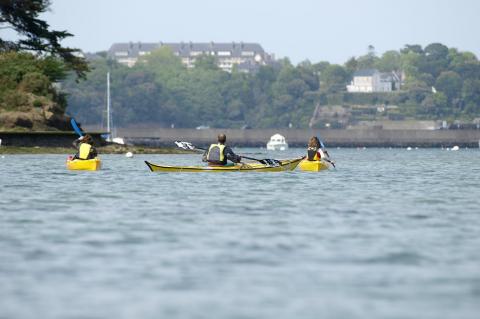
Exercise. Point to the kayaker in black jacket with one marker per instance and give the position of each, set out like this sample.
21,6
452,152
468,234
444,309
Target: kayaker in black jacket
86,150
218,154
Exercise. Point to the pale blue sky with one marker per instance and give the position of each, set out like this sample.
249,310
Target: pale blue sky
301,29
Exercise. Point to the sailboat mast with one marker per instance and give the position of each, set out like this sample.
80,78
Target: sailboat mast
108,103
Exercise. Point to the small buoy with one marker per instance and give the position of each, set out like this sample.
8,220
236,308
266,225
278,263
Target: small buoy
3,156
455,148
416,148
129,154
409,148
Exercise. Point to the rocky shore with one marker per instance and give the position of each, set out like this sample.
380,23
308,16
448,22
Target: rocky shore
109,149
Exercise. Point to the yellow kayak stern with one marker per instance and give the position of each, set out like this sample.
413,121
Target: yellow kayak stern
84,165
313,166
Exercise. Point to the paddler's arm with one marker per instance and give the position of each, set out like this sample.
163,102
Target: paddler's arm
76,143
231,155
204,157
93,152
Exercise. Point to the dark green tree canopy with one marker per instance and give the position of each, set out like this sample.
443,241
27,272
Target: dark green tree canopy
437,82
35,34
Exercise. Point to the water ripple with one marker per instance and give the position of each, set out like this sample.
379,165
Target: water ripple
389,234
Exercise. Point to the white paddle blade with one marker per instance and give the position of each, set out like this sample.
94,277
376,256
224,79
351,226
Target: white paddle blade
179,144
185,145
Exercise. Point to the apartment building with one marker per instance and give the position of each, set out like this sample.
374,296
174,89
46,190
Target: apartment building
247,57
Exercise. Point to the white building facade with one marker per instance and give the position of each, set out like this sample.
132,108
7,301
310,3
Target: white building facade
371,80
246,56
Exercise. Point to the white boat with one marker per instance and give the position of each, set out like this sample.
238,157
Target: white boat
277,143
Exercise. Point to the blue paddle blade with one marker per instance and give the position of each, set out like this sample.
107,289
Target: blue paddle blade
76,128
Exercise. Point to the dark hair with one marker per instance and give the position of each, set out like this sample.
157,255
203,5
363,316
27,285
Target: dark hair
222,138
314,142
87,138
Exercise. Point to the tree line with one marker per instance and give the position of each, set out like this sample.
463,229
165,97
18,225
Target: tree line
440,82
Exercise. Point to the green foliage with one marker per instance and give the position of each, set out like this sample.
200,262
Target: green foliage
14,99
36,83
450,84
333,78
390,61
160,90
23,74
206,62
37,103
35,34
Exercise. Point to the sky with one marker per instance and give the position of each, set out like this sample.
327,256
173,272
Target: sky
321,30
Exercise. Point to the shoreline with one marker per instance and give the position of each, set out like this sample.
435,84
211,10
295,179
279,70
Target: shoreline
109,149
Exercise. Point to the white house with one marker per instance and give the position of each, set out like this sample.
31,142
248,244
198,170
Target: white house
246,56
371,80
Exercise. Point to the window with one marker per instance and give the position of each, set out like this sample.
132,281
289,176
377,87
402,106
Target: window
224,53
248,53
121,53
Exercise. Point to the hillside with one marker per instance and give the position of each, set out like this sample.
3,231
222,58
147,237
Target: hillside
438,83
28,98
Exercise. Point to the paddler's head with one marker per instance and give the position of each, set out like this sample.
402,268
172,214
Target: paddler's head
222,138
314,142
87,139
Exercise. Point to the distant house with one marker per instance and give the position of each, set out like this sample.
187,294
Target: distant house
247,57
371,80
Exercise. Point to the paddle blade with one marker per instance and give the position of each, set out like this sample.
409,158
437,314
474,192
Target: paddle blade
185,145
271,162
75,127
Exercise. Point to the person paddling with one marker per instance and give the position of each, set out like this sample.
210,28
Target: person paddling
315,152
218,154
84,145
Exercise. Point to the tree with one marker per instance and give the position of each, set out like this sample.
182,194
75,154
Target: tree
471,95
334,78
368,61
413,48
206,62
450,83
22,17
351,66
441,103
435,60
163,63
390,61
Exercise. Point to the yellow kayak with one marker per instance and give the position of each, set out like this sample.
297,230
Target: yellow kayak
284,165
84,165
313,166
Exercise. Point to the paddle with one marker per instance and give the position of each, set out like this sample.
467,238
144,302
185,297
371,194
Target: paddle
189,146
324,149
75,127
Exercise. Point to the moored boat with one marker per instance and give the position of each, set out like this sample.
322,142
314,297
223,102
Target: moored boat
277,143
313,166
84,165
283,165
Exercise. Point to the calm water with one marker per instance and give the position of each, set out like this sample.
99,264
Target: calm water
389,234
